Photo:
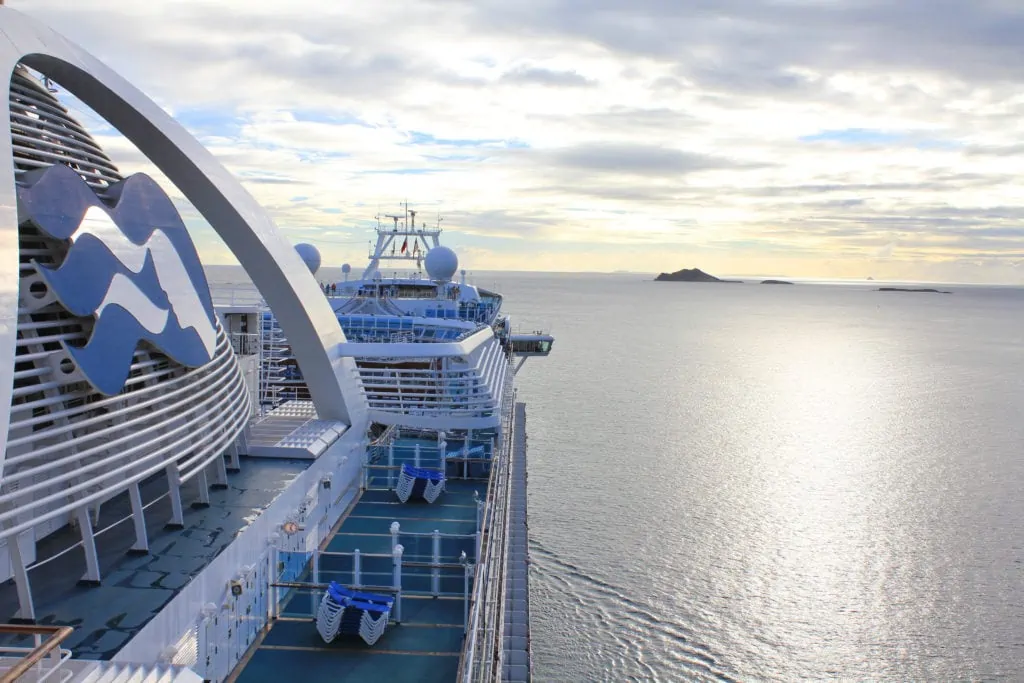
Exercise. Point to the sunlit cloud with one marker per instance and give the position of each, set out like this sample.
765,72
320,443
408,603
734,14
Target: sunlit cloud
829,139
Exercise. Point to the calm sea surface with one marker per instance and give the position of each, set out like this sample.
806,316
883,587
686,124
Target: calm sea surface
754,482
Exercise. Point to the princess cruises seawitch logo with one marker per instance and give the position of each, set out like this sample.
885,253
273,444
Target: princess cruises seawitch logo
132,267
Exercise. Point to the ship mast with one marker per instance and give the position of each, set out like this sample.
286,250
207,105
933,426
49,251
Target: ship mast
402,241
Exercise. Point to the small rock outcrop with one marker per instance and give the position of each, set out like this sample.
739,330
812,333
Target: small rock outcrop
913,289
690,275
775,282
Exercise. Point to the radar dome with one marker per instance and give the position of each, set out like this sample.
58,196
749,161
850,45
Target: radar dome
346,269
441,263
310,255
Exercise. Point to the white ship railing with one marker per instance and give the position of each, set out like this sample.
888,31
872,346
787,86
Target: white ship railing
466,391
482,654
227,296
63,455
37,662
470,391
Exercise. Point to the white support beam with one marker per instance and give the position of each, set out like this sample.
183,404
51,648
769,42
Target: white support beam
141,546
220,473
174,493
92,560
235,462
26,608
204,490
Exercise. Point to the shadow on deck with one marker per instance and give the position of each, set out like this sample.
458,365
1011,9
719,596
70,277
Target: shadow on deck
134,588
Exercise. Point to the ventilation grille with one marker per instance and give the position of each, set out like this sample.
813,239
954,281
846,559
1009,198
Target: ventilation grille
44,134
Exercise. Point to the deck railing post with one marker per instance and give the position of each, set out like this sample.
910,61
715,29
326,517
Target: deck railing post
274,560
366,469
435,579
391,464
396,555
465,590
316,580
416,456
395,528
204,657
357,569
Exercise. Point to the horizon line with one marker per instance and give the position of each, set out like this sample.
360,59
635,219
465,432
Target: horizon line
749,276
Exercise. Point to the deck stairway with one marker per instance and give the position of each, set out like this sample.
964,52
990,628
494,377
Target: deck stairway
33,653
116,672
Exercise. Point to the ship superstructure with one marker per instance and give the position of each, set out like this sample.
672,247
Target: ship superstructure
426,347
199,489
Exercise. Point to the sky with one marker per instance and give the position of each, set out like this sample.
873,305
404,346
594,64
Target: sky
809,138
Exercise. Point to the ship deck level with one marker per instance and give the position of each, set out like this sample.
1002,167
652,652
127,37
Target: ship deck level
426,645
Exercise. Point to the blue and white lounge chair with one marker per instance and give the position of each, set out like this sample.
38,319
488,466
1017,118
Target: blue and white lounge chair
347,612
419,482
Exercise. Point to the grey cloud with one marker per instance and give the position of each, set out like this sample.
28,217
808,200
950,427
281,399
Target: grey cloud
745,47
270,180
633,118
302,56
995,150
967,39
725,52
646,194
667,83
632,159
501,223
937,182
929,229
742,47
547,77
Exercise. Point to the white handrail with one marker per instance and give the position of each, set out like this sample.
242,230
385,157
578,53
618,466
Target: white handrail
483,651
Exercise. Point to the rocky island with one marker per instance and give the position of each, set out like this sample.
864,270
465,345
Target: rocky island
912,289
775,282
690,275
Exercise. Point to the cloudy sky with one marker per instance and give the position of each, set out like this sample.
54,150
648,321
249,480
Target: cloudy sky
818,138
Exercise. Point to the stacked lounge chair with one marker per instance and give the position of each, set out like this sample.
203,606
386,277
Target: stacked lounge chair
419,482
347,612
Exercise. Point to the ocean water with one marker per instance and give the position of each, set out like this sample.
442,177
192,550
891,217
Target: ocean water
754,482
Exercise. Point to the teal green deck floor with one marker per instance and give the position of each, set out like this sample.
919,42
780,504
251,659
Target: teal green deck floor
425,647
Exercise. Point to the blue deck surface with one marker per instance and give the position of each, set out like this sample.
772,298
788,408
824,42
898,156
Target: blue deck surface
270,664
135,588
426,646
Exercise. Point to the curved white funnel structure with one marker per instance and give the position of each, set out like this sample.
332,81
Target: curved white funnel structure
275,267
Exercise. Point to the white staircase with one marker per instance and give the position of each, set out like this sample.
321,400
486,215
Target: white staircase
118,672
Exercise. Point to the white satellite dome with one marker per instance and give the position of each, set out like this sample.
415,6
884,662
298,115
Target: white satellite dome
346,269
441,263
310,255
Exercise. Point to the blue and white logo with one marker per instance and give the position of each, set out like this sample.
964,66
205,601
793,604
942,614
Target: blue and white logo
132,267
